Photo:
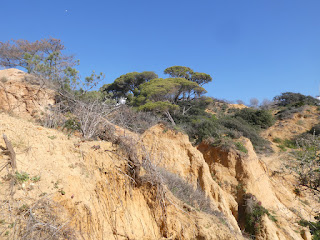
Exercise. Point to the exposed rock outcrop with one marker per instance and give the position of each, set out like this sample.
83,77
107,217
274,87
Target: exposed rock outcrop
21,96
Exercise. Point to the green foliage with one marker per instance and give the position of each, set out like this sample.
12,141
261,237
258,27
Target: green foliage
201,78
313,226
127,83
35,179
52,137
290,99
240,147
254,213
158,106
189,74
261,118
45,57
285,143
21,176
277,140
71,125
62,192
168,89
290,143
90,95
247,130
201,128
179,71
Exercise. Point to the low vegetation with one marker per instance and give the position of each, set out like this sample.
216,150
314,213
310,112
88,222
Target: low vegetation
188,194
313,226
254,212
290,99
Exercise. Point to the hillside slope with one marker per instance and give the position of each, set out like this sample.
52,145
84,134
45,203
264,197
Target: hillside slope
69,188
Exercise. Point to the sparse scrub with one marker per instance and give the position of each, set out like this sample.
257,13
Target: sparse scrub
135,121
288,112
313,226
187,193
28,218
306,163
53,117
254,212
240,147
282,148
300,122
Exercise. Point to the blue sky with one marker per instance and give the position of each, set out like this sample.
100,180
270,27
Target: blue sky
251,48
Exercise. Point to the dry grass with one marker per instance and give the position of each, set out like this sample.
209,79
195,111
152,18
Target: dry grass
33,219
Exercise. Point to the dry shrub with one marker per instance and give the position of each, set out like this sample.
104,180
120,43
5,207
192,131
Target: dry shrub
41,219
92,117
135,121
54,117
187,193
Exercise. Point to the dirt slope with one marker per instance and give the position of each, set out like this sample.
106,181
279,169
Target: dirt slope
293,126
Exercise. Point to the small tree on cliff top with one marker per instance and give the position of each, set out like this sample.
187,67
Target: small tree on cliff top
44,58
162,95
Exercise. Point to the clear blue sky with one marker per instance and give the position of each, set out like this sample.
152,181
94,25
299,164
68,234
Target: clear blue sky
251,48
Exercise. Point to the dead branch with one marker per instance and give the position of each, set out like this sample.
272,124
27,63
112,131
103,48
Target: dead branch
10,152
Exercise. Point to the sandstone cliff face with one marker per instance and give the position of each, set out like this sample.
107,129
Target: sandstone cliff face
22,98
98,199
240,173
176,154
225,175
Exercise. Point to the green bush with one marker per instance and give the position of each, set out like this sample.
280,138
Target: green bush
254,213
261,118
248,131
290,99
